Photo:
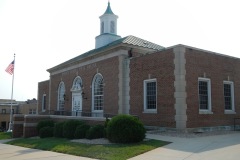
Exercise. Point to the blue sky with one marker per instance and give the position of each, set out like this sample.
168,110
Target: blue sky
44,33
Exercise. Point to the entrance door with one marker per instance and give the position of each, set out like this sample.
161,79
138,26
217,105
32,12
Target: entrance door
76,104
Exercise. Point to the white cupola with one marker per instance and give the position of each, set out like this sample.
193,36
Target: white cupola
108,28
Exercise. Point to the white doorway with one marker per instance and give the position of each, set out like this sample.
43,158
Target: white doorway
76,104
77,97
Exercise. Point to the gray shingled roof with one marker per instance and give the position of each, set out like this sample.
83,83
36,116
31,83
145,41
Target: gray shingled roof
130,40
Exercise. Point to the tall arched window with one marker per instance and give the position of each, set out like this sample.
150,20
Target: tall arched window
97,92
61,92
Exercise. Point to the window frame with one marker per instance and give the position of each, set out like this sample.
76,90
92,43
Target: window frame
209,109
232,110
146,109
93,93
61,96
44,102
32,111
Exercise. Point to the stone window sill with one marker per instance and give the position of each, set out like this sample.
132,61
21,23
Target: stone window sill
205,112
229,112
150,111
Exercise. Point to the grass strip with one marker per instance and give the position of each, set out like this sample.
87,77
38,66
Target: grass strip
5,135
104,152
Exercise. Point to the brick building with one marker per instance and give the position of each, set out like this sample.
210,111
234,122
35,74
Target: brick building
176,87
18,107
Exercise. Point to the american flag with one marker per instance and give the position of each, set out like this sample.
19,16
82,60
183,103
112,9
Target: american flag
10,68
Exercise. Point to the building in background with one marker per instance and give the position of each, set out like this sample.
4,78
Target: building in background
29,107
178,87
18,107
5,110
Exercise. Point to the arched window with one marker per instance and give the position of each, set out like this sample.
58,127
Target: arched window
112,27
61,92
102,27
97,92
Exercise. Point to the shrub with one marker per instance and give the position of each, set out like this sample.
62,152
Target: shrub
81,131
46,132
106,122
95,132
125,129
44,123
69,128
58,129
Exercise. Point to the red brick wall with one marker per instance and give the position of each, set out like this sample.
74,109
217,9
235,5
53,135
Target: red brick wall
217,68
43,88
160,66
109,70
18,125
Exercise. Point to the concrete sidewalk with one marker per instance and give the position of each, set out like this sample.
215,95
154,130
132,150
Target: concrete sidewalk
218,147
10,152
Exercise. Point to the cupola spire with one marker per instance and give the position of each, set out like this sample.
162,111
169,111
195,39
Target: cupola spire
108,10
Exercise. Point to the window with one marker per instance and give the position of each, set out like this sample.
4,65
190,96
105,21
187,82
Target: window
150,95
61,92
4,111
204,92
32,111
44,102
112,27
228,88
97,89
102,27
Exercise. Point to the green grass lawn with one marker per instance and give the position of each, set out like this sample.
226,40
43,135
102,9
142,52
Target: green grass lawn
106,152
5,135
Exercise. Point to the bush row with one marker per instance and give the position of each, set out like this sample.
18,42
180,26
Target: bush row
120,129
69,129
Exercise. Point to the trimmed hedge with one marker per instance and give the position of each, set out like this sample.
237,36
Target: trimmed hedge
46,132
125,129
69,128
44,123
58,129
95,132
81,131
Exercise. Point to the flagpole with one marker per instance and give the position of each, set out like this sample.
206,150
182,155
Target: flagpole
11,112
